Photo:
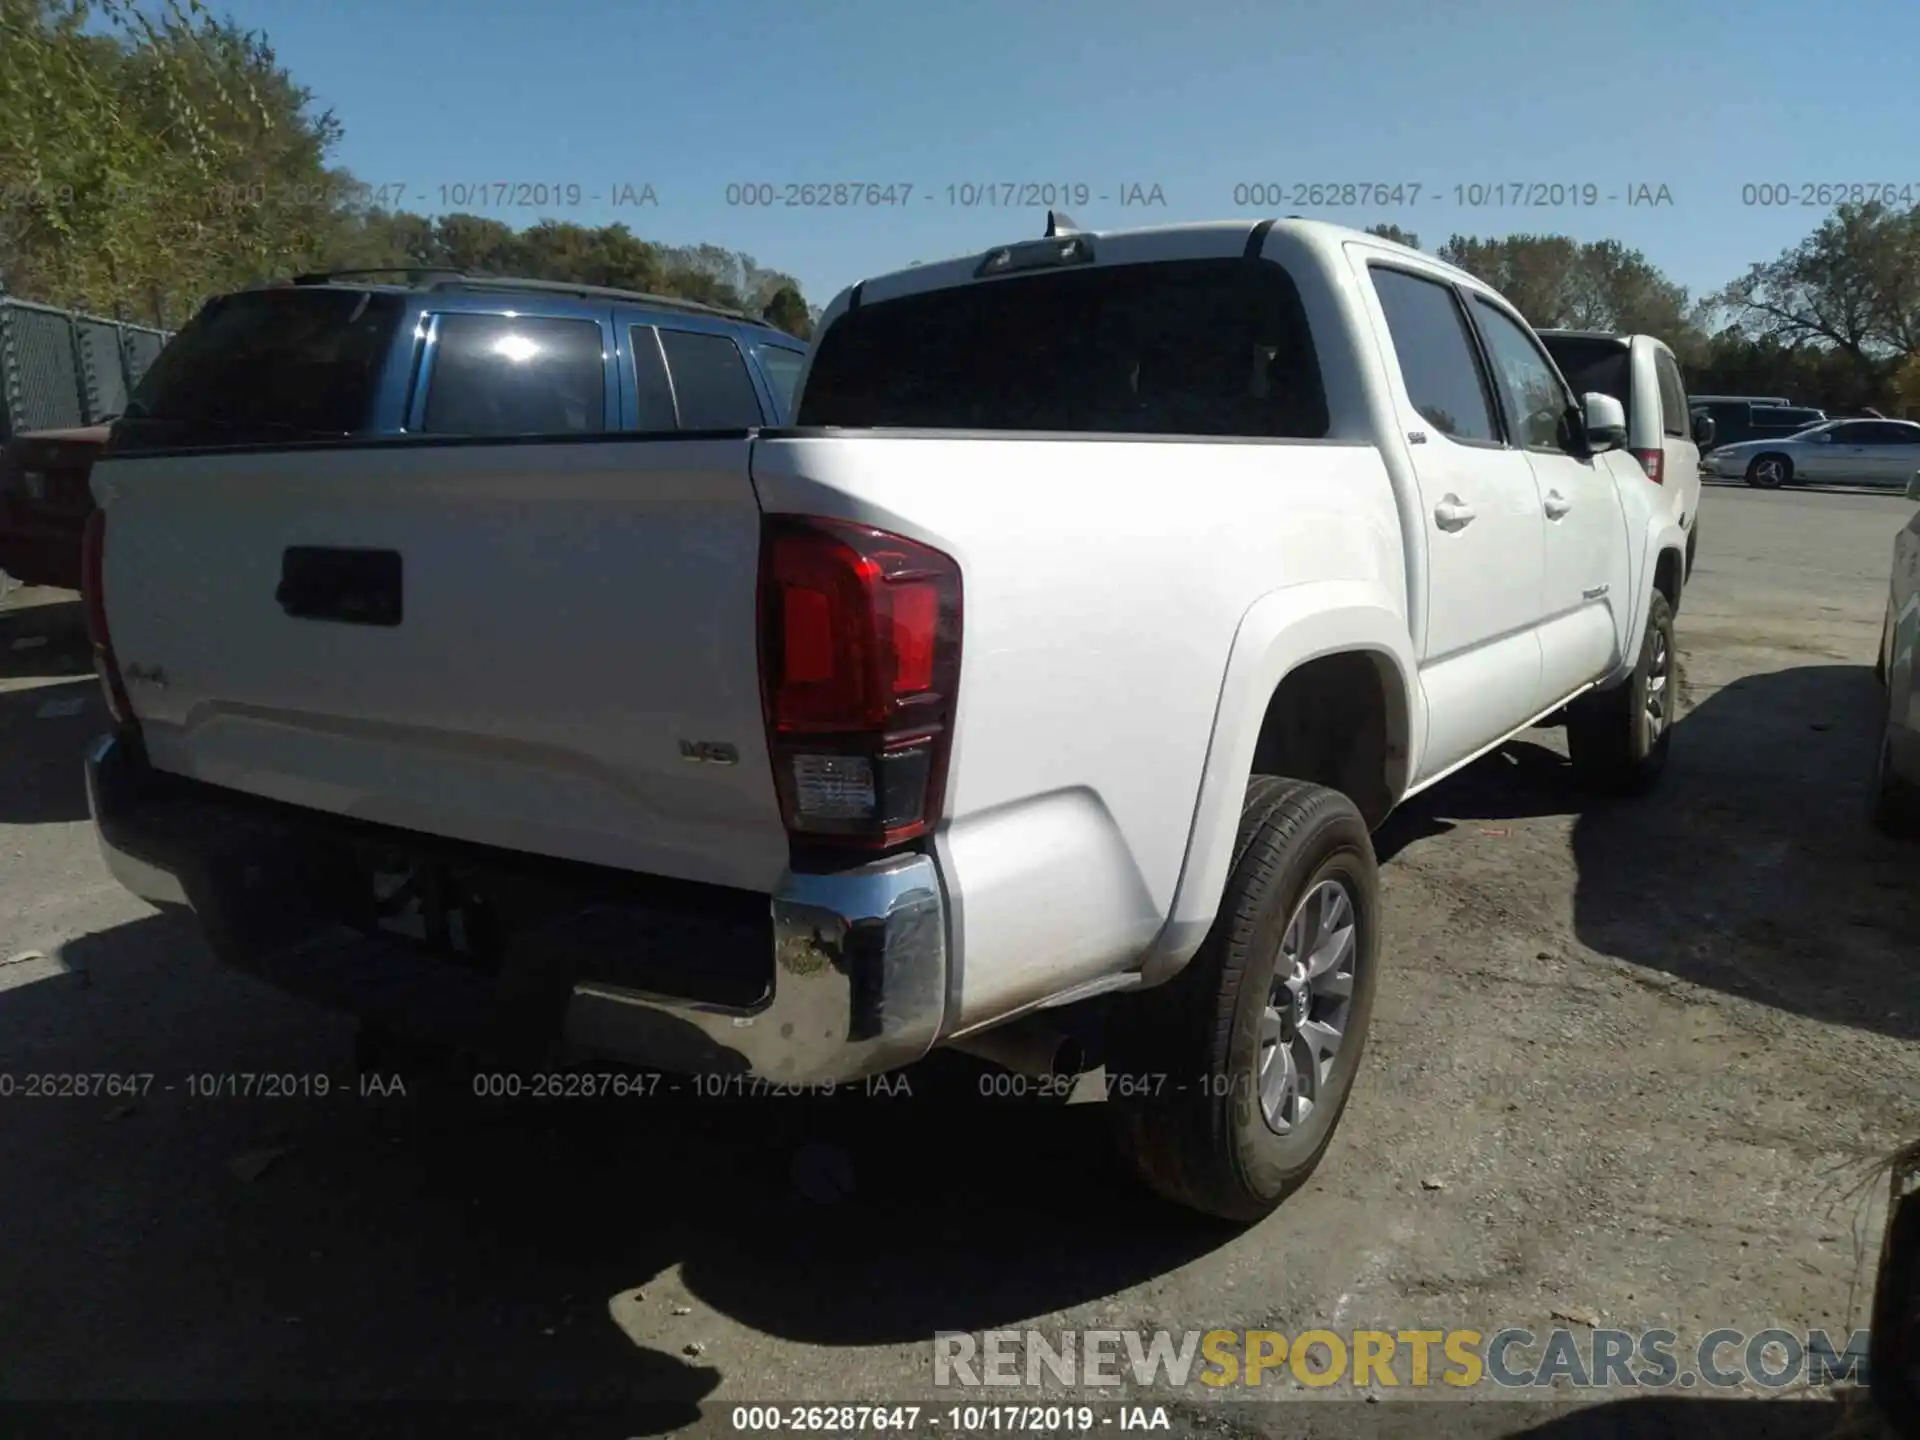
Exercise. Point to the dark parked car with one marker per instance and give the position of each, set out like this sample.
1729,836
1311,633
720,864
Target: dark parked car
382,353
44,503
405,352
1737,420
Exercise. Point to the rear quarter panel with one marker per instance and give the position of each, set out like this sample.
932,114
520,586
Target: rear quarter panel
1108,588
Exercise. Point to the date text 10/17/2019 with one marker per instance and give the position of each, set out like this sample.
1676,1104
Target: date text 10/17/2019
966,195
1467,195
1044,1419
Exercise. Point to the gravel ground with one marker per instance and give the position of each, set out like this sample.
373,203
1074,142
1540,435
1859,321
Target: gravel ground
1631,1063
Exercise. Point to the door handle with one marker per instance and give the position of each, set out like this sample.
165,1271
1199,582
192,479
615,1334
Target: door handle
1556,505
1451,514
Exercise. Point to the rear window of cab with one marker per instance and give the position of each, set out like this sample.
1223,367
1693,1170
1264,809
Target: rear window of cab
1189,347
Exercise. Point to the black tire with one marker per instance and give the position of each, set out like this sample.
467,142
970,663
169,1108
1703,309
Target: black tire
1769,471
1611,736
1203,1139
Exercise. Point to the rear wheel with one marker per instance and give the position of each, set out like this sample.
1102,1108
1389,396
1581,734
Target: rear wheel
1618,739
1769,472
1896,798
1257,1042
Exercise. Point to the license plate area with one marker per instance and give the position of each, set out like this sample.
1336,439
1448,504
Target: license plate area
431,905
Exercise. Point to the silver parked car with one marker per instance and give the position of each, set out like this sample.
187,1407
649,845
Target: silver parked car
1848,452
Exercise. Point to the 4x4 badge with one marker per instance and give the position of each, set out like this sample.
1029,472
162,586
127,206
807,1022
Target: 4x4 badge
713,752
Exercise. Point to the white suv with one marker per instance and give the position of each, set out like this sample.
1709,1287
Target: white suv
1641,373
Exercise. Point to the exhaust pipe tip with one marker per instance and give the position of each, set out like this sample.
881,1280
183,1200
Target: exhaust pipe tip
1027,1049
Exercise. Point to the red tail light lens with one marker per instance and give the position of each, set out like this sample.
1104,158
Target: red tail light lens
859,667
1650,462
93,594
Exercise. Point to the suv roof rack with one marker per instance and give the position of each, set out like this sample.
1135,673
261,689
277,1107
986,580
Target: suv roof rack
439,278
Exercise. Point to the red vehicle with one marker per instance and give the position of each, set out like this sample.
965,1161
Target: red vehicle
44,503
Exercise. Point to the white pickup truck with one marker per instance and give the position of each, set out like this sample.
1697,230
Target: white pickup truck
1046,678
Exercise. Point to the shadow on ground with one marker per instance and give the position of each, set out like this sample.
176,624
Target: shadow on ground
394,1251
1751,868
44,730
50,706
1679,1419
1664,1418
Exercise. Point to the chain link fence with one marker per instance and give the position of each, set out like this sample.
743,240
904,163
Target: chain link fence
59,368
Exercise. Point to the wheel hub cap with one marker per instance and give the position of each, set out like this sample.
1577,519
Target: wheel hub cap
1306,1016
1659,670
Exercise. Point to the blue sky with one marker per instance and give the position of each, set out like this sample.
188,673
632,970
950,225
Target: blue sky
1196,99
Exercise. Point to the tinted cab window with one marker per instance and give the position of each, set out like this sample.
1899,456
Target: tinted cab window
1190,347
1438,366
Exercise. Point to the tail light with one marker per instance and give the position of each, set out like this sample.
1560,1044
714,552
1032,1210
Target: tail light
859,667
93,551
1650,462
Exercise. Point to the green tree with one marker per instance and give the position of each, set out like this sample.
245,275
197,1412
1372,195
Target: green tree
149,158
1558,282
1852,286
788,310
1395,234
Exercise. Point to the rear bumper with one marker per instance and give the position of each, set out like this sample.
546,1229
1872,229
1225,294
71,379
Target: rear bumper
852,981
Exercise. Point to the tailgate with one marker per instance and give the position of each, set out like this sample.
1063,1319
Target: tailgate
517,645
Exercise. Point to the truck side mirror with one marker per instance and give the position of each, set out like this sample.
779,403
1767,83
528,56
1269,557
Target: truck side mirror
1703,429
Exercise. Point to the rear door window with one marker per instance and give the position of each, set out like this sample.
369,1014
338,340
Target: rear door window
1887,432
1438,364
1535,396
1188,347
292,363
497,375
711,386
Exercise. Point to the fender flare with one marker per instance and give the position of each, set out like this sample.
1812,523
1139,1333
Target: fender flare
1280,632
1662,535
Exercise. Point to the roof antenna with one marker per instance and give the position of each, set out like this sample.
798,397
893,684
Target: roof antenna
1060,223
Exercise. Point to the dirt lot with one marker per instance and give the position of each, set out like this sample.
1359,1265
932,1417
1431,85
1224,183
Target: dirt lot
1629,1063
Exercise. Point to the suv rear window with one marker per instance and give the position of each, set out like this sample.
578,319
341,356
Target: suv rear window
1589,365
1190,347
265,365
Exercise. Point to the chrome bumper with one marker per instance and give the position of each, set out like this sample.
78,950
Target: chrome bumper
859,972
859,987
